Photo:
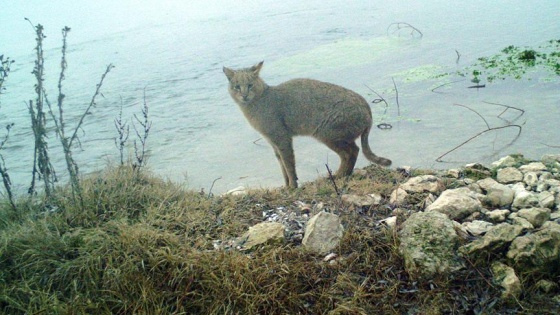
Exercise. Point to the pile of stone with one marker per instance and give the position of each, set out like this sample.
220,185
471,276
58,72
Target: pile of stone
511,212
514,217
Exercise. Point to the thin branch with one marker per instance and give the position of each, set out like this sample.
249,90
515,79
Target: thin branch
505,110
91,104
212,186
474,111
379,100
332,180
448,83
397,97
476,136
399,26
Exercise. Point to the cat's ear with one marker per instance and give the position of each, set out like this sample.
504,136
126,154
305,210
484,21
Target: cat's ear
257,68
229,73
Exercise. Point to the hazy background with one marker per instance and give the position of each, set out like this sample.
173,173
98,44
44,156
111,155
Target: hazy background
176,50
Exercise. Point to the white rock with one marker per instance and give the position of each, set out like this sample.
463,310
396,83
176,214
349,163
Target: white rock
477,227
505,161
531,179
456,203
546,199
509,175
237,191
536,216
398,196
423,183
525,199
497,215
533,167
323,233
390,222
523,223
497,195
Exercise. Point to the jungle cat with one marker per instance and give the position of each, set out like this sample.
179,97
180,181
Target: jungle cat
332,114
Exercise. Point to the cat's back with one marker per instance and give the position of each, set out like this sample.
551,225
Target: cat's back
315,92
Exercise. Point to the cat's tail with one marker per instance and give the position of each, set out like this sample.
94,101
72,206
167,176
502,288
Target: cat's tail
367,150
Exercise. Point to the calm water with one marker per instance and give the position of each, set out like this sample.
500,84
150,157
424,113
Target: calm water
176,51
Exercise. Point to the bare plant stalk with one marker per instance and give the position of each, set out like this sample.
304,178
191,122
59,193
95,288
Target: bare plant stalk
4,171
123,130
332,180
42,167
140,151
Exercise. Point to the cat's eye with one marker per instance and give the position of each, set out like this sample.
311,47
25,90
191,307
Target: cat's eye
237,87
250,86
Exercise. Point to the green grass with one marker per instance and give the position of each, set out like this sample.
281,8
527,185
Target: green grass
144,246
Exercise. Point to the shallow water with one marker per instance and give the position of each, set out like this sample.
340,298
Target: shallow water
175,52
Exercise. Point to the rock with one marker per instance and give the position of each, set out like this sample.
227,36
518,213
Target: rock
536,216
456,203
524,223
533,167
496,238
478,227
498,215
390,222
505,277
507,161
531,179
398,196
323,233
362,201
549,184
509,175
550,158
546,199
428,245
454,173
525,199
497,195
237,191
424,183
537,252
262,233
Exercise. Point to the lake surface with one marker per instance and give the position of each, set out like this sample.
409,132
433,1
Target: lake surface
175,53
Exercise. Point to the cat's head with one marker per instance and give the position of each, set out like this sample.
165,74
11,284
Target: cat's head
245,85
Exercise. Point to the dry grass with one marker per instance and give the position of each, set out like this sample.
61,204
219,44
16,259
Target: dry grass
144,246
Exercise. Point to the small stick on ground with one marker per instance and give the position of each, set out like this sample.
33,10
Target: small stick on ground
331,177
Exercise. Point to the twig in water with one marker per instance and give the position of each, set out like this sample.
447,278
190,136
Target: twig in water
397,97
458,56
448,83
399,26
379,100
438,159
474,111
505,110
332,180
